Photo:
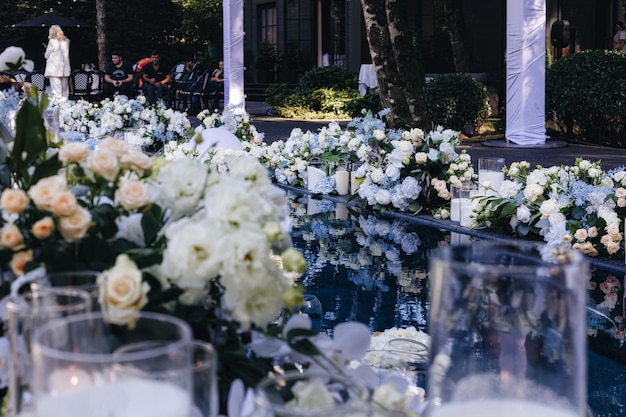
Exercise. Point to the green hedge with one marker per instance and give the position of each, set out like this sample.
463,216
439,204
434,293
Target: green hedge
586,96
456,100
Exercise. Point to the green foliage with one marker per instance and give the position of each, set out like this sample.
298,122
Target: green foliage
370,101
322,93
454,100
267,58
333,77
586,96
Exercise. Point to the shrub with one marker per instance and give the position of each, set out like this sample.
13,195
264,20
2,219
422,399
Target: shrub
455,100
370,101
336,78
586,96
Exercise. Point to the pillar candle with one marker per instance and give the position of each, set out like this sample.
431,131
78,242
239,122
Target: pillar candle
341,181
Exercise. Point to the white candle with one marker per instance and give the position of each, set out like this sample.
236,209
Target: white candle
313,176
354,182
173,145
455,209
493,178
500,407
341,212
312,208
341,181
459,239
64,379
126,398
466,208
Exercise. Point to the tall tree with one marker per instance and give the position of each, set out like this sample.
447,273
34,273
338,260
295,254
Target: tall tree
101,37
452,12
397,61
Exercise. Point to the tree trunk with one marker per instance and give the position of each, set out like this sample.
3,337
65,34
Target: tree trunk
455,26
397,63
101,37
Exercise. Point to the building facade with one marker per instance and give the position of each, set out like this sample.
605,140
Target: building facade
309,33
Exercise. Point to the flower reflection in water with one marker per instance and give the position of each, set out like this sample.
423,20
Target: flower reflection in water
363,267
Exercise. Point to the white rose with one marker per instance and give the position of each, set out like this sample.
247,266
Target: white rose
383,197
549,207
122,289
378,134
116,147
193,255
137,161
523,214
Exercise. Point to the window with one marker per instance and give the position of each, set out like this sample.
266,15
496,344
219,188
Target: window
268,26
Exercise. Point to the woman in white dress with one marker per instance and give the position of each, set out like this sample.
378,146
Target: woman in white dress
58,61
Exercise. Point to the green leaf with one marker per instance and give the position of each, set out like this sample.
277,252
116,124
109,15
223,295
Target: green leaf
30,139
509,209
578,213
151,221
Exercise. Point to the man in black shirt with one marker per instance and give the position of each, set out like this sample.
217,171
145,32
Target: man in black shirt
156,77
118,76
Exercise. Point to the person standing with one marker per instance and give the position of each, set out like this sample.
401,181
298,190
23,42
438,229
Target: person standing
619,39
58,61
156,78
118,76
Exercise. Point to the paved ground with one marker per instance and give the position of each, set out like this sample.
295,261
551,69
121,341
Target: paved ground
276,128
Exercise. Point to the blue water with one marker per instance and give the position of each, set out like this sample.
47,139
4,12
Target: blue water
374,270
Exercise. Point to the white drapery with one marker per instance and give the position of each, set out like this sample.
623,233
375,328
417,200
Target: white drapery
233,55
525,72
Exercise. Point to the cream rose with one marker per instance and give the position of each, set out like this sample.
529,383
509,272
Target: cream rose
122,289
11,237
75,226
132,194
73,152
13,201
45,189
116,147
63,203
137,161
19,261
43,228
104,163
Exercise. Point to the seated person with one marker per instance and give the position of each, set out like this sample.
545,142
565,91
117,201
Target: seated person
118,76
156,77
214,84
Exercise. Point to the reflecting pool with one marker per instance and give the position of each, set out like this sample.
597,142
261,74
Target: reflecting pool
374,269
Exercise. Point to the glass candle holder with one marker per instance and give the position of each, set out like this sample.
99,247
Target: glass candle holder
507,327
467,202
490,175
136,364
342,179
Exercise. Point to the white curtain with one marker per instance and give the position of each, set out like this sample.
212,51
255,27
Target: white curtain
233,55
525,72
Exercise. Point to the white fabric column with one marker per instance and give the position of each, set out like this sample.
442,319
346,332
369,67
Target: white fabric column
233,55
525,72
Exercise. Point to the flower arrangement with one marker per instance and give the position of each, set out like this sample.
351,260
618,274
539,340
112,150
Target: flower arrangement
401,170
64,208
579,205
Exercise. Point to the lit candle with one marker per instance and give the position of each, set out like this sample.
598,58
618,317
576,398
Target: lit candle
500,407
314,175
64,379
341,180
125,398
